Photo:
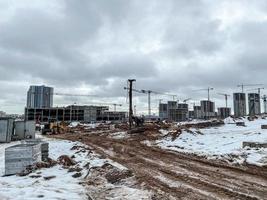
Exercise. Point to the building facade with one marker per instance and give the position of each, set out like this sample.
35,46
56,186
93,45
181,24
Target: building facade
73,113
40,97
224,112
173,111
207,109
240,109
197,112
2,114
163,111
254,104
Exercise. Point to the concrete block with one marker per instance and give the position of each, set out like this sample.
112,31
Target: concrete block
44,147
254,145
18,157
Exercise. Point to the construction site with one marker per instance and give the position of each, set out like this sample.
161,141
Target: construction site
92,152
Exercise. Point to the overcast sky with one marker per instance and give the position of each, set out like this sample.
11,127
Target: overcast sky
94,46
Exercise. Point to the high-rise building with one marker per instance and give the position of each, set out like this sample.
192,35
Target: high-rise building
224,112
40,97
197,112
254,104
240,108
2,114
163,111
207,109
173,111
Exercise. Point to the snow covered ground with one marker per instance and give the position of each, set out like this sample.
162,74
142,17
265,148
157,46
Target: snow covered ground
223,142
63,185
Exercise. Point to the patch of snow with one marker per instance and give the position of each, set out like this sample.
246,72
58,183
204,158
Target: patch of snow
63,186
222,141
163,132
119,135
74,124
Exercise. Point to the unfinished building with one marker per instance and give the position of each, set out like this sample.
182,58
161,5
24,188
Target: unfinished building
173,111
197,112
40,97
163,111
224,112
207,109
239,104
73,113
254,104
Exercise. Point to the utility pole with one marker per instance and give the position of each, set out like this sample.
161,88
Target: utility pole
130,81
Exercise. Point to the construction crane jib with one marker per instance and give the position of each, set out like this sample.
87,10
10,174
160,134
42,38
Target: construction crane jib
149,92
247,85
206,89
259,89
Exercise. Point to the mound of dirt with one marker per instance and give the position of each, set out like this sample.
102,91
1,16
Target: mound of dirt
115,175
66,161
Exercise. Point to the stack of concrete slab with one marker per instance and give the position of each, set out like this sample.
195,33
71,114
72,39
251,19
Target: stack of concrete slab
18,157
24,130
6,129
44,147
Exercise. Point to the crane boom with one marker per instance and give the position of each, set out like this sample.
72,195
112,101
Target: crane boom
206,89
186,100
247,85
259,89
148,92
75,95
88,95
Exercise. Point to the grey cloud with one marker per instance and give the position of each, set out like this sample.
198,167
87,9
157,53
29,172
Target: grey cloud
168,46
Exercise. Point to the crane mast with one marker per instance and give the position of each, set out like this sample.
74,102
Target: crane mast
226,98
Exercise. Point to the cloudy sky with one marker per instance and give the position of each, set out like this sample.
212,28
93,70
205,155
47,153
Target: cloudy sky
94,46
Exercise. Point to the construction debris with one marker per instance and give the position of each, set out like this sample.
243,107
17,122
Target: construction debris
39,165
66,161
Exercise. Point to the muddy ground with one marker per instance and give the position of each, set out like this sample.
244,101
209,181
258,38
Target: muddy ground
173,175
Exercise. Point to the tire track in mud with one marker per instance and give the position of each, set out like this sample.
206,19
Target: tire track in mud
197,177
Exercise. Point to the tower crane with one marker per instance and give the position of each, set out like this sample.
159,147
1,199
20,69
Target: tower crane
149,92
74,95
247,85
226,97
206,89
259,89
186,100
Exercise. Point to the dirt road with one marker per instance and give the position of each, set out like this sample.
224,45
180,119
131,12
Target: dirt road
179,175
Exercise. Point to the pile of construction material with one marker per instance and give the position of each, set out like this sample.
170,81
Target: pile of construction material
29,152
44,147
11,130
18,157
